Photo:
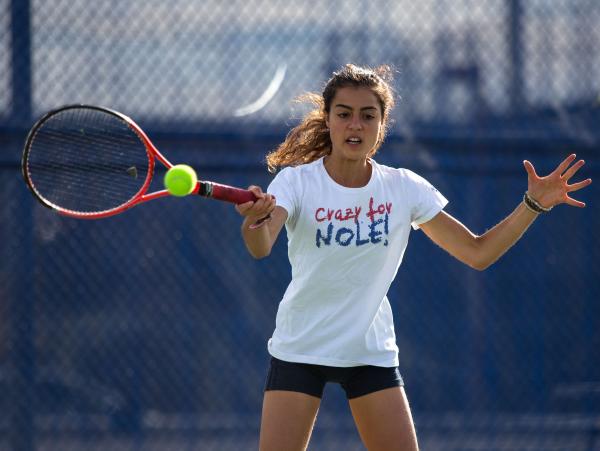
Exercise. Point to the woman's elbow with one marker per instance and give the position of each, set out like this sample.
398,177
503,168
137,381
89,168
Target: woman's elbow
477,259
259,256
259,253
480,265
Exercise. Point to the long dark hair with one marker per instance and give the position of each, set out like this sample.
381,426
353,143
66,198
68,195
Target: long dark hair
310,139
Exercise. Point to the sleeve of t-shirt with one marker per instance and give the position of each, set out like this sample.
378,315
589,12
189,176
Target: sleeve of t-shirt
284,187
427,200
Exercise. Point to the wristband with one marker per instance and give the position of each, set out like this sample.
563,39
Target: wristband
533,205
261,222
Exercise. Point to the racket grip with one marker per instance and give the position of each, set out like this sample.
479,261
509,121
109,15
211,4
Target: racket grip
225,193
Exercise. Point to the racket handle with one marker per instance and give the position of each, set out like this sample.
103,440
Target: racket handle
225,193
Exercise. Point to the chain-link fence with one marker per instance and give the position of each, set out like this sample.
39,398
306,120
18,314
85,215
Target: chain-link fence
147,331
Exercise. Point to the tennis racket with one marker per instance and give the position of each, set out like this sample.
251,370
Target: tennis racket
92,162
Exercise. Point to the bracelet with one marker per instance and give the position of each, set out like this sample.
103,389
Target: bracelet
260,223
533,205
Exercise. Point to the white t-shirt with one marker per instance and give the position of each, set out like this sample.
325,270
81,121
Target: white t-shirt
345,246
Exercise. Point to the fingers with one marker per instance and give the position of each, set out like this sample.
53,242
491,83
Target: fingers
565,164
259,208
530,169
562,167
256,190
572,170
574,202
579,185
567,173
264,206
243,208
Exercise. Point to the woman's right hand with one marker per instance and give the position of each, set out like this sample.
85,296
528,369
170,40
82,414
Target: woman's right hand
258,211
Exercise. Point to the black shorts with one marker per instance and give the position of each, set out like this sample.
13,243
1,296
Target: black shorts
311,379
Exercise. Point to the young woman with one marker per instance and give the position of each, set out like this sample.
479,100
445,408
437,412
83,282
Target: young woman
348,219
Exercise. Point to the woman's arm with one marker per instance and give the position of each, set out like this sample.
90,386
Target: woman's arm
479,252
259,234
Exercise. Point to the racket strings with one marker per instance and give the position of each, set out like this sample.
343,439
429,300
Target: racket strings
86,160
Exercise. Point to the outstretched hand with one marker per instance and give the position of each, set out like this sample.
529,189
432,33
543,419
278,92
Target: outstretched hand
554,188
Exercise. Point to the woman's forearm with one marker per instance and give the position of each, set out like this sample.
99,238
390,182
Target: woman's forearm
500,238
481,251
257,239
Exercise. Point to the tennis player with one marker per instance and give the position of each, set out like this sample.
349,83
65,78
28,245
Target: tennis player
348,220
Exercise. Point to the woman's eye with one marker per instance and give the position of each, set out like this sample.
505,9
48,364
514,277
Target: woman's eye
343,115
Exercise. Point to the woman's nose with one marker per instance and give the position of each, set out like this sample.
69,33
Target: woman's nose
356,123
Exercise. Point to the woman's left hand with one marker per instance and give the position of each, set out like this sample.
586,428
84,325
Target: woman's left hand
554,188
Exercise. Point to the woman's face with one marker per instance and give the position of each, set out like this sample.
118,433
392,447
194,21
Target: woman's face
354,122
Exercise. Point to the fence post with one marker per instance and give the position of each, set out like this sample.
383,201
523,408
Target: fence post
21,61
515,46
22,348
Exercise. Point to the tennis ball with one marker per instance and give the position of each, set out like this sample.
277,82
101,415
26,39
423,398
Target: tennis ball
180,180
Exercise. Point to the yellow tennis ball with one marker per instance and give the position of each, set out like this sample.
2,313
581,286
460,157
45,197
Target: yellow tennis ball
180,180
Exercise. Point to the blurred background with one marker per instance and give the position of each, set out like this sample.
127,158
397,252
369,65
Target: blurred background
147,331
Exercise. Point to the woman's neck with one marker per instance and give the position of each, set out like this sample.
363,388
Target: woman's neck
348,173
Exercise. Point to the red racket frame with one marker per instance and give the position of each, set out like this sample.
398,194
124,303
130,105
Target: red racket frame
203,188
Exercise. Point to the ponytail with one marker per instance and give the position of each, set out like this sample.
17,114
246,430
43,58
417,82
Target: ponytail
305,143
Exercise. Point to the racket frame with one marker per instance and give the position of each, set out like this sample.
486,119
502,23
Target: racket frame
202,188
